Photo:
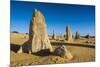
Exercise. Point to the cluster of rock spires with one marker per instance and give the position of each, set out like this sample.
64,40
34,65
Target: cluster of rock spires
39,40
68,36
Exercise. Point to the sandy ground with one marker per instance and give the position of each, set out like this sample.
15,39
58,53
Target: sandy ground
80,54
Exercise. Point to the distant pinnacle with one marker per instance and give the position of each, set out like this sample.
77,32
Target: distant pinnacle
53,31
36,10
68,33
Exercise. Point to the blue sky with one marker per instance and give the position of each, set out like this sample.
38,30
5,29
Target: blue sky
58,16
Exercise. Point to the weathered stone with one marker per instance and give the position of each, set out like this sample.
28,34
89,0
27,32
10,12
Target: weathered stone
38,36
53,36
68,34
63,52
59,51
77,36
20,50
87,36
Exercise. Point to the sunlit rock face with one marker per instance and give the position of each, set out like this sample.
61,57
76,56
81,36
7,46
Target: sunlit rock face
77,36
62,51
68,34
38,35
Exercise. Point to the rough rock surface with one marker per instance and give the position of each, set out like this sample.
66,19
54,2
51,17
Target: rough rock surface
53,36
77,36
38,36
68,34
63,52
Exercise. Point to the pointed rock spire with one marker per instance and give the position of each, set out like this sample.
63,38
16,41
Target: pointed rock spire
53,36
68,33
38,35
77,36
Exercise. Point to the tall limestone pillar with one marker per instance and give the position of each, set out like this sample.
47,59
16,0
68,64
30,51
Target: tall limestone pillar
68,34
38,35
53,36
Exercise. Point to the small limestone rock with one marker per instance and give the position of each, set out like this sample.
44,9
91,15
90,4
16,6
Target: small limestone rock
63,52
59,51
67,53
20,50
20,64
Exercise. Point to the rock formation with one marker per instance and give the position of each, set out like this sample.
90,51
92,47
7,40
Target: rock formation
38,36
77,36
87,36
20,50
68,34
59,51
53,36
63,52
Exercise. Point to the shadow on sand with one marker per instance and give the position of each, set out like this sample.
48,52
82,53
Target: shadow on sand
14,47
70,44
26,48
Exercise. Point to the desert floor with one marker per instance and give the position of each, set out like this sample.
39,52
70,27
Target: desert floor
80,54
